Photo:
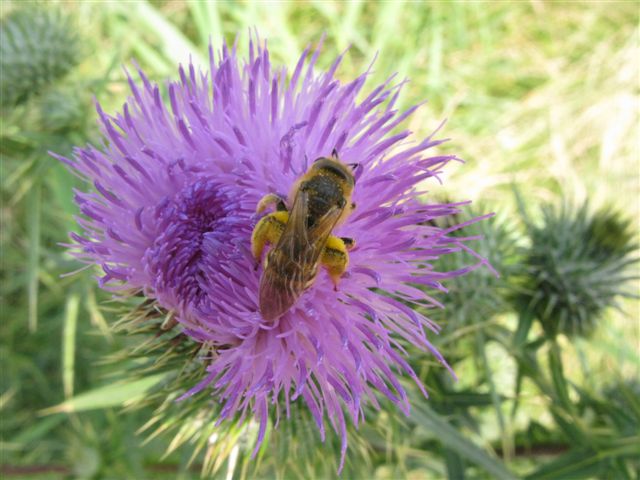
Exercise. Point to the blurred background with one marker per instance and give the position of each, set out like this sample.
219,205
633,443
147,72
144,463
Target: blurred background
541,101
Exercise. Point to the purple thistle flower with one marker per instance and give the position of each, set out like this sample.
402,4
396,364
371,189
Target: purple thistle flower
175,192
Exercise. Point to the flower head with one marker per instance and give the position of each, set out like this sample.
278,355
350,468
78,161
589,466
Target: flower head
172,214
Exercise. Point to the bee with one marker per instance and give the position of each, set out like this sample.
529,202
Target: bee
301,238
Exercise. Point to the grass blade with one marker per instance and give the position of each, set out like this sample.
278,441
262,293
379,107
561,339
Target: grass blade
174,45
114,395
37,430
34,213
207,20
69,343
348,32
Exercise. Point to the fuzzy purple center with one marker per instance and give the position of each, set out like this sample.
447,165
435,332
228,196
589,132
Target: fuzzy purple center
194,226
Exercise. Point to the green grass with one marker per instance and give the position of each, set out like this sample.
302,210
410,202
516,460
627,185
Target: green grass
538,95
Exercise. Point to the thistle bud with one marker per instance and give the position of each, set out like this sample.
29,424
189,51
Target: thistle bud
576,266
38,46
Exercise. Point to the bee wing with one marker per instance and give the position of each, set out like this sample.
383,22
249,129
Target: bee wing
294,260
295,238
276,294
280,284
320,231
304,245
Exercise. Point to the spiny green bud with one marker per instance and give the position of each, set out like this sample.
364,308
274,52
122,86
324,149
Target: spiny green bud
610,234
481,293
576,266
37,47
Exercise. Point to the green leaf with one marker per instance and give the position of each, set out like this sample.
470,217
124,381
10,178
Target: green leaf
455,464
115,395
557,376
424,416
525,320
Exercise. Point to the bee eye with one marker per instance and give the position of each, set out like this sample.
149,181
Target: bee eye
315,164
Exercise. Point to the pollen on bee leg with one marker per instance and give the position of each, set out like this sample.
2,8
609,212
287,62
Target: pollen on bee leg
335,258
271,198
267,231
259,239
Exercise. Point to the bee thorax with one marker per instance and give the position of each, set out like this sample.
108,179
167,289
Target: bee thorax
324,193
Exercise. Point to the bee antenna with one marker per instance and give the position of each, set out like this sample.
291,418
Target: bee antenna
334,153
354,165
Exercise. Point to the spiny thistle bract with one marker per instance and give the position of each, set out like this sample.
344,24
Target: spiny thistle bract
577,265
171,217
37,47
482,293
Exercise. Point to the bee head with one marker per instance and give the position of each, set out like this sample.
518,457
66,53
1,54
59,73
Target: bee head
335,167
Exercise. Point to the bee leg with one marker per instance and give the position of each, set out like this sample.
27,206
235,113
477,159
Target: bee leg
269,199
267,230
335,258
